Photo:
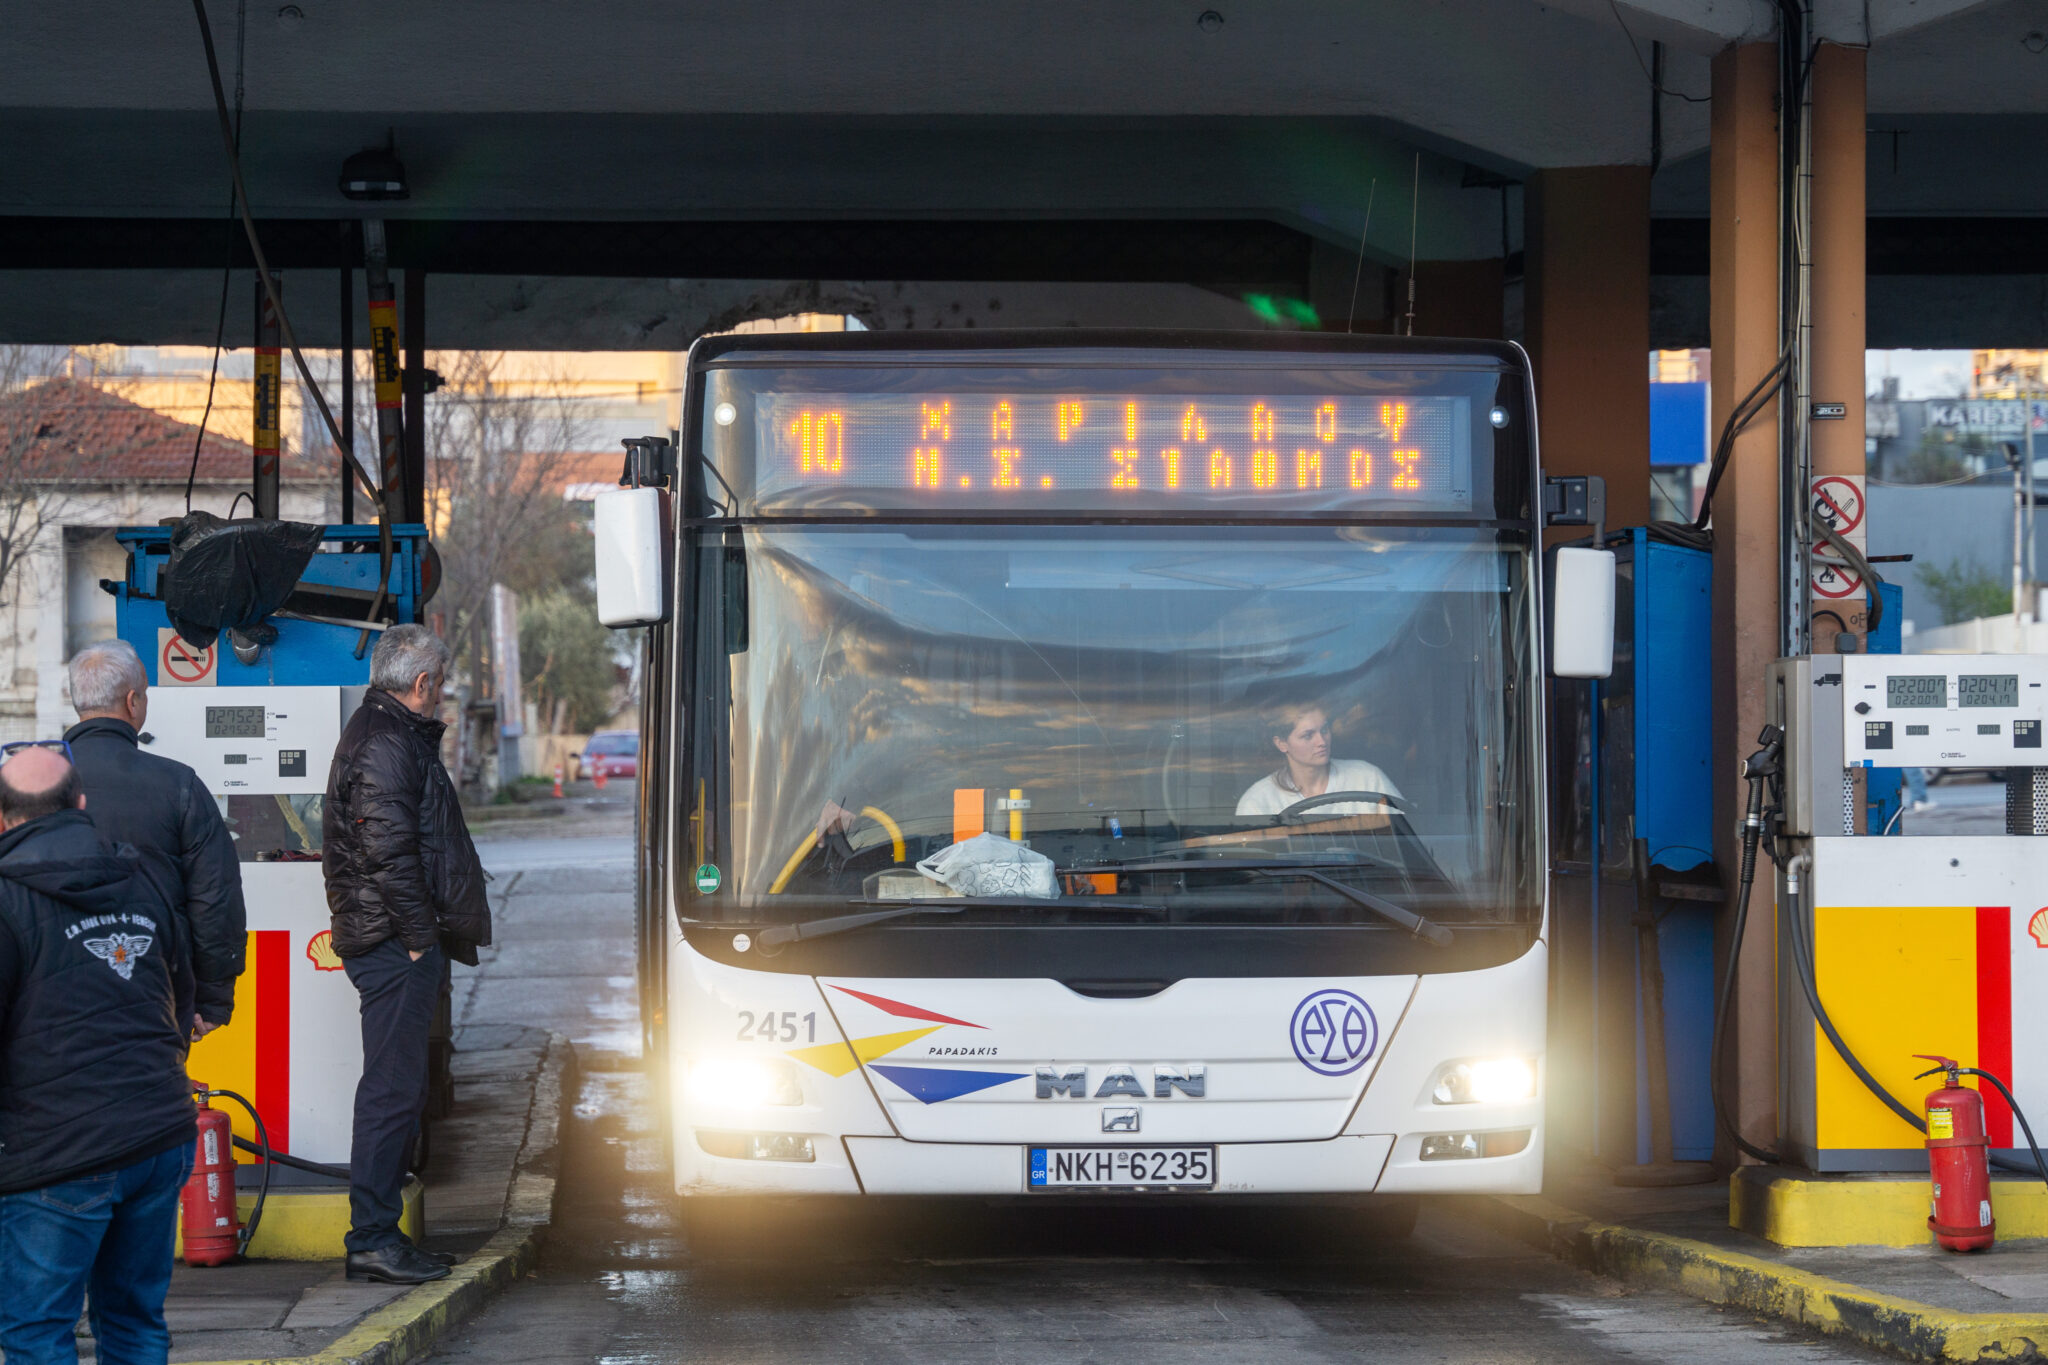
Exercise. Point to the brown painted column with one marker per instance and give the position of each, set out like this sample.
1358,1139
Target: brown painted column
1744,327
1587,301
1839,118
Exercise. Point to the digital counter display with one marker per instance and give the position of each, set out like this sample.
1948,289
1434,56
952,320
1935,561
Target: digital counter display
1151,450
234,722
1988,689
1918,689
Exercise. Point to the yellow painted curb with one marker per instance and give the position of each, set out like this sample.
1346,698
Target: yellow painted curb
1902,1326
410,1326
1848,1211
308,1224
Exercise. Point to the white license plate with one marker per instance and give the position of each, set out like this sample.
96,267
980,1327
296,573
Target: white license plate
1123,1168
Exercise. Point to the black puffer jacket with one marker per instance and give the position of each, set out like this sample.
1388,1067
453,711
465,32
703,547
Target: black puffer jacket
161,807
397,853
92,1060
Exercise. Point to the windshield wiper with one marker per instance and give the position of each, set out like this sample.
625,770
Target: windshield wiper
1429,931
776,936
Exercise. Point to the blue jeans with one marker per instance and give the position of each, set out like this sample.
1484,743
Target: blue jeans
110,1231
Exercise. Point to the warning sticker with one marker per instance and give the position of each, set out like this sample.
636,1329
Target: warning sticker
1834,582
1838,504
179,663
1941,1123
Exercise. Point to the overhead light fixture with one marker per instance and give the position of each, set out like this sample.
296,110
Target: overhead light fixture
374,174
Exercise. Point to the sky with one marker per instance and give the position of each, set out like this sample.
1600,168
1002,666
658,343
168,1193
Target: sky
1921,374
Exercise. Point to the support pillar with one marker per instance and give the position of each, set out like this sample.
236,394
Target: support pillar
1838,171
1745,335
1587,298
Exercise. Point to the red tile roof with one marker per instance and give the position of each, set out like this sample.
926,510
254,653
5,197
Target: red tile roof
78,433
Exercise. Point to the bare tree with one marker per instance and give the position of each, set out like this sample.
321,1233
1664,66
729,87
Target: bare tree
28,412
499,443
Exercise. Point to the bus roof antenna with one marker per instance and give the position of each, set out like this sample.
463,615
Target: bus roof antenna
1414,202
1356,274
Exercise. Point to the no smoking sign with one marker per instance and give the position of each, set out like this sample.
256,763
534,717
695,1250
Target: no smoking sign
180,663
1837,502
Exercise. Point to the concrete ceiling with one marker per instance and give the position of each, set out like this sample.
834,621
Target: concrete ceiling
1292,112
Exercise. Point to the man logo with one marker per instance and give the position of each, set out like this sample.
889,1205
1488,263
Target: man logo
119,951
1189,1078
1119,1118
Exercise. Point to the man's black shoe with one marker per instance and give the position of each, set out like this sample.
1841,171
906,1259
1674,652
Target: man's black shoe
399,1263
437,1257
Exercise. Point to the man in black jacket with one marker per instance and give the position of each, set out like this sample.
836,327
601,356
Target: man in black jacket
162,808
407,894
96,1116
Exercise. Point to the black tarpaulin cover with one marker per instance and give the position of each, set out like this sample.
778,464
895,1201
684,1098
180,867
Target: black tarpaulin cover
225,575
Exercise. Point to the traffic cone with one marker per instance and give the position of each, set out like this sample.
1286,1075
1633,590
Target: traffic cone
558,781
597,778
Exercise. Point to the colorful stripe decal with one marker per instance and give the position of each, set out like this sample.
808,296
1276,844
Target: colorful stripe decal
1994,1016
903,1011
837,1059
273,969
931,1085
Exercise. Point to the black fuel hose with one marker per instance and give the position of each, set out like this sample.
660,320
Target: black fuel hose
260,1147
295,1162
1752,831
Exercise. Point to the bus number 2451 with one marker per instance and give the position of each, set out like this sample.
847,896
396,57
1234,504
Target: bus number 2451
778,1028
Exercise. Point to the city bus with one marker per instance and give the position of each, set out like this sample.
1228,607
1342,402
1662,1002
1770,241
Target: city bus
1095,764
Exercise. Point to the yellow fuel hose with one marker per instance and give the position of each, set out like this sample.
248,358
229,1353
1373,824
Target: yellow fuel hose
874,813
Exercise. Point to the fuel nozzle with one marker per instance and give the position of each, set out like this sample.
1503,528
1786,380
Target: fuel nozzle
1766,760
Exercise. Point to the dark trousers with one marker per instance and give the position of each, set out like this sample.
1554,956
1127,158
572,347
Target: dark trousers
398,999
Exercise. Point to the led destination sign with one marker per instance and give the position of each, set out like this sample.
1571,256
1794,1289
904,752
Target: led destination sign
1042,450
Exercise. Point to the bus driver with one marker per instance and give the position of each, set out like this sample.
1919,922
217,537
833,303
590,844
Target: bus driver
1301,732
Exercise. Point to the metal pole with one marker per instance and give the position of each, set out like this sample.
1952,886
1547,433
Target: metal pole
267,418
384,368
348,379
1798,605
414,467
2033,574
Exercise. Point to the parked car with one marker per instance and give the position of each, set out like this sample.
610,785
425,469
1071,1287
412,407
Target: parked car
615,753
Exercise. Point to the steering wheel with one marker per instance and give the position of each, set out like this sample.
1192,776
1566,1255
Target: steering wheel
1293,814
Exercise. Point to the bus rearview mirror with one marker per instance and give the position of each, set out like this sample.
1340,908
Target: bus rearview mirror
1582,612
631,528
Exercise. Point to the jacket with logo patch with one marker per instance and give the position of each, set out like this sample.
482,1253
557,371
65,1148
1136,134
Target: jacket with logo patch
395,847
92,1058
161,807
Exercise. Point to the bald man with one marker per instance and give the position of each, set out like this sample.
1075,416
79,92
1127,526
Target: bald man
96,1116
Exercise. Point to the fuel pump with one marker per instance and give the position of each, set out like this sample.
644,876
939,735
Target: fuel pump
1901,948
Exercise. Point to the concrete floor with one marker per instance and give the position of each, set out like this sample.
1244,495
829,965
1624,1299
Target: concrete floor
623,1280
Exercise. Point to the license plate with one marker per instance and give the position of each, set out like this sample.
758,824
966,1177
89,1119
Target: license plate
1123,1168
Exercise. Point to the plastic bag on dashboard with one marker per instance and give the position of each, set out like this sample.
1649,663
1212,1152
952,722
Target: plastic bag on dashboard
990,865
225,575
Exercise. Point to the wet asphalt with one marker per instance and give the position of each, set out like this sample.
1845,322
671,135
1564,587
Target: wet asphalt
627,1277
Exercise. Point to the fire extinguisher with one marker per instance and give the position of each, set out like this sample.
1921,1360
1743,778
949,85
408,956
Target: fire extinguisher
213,1232
1959,1161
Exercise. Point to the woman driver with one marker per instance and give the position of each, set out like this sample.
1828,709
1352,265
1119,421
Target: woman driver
1301,732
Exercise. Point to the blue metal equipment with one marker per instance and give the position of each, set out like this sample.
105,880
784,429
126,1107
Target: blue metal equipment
317,635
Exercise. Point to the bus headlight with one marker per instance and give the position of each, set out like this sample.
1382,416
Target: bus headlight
743,1082
1486,1080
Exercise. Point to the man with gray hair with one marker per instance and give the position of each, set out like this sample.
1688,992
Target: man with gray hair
161,807
406,893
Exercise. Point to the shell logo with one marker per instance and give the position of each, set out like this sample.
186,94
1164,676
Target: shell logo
320,951
2038,927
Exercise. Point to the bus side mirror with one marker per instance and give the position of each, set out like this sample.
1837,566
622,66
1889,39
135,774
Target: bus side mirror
631,526
1581,612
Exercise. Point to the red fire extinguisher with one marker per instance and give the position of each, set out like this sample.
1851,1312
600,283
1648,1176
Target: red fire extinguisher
1959,1160
212,1230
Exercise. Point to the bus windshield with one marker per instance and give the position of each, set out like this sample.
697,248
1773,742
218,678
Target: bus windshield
1354,699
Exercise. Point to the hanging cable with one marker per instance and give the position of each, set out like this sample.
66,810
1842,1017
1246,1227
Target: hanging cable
227,269
263,273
